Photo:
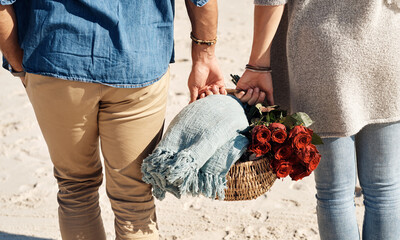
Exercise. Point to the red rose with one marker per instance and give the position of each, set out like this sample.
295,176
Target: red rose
275,146
309,131
301,140
283,169
260,149
299,171
307,153
296,131
314,152
274,163
284,152
294,159
261,134
303,154
273,126
278,135
314,162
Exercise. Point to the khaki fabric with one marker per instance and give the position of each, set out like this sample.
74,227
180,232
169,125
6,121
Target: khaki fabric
75,119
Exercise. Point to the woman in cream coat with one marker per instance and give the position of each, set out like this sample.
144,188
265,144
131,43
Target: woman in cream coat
338,61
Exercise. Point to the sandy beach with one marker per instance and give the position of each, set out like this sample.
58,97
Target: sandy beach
28,205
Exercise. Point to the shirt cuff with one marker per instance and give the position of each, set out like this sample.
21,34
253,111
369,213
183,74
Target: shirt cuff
7,2
198,3
270,2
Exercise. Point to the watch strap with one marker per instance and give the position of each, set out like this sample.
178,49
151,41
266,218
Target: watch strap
16,73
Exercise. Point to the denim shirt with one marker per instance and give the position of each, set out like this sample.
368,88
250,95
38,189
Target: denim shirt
120,43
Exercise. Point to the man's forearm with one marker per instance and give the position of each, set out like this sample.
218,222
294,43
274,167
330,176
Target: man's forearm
9,45
204,19
206,77
204,22
266,22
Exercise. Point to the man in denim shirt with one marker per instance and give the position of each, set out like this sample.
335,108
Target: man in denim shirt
98,70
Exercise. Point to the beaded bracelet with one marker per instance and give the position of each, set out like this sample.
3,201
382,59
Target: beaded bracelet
258,69
205,42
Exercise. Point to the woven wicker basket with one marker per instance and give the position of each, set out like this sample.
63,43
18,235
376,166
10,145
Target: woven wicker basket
249,180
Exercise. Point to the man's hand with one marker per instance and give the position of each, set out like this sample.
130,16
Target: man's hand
257,87
206,77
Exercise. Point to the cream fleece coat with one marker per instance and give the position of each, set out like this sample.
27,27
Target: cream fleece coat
338,61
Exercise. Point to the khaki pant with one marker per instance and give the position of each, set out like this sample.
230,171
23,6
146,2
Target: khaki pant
73,116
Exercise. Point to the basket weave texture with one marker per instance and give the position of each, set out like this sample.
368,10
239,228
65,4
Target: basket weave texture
249,180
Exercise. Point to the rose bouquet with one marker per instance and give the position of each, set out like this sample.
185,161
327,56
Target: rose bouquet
285,140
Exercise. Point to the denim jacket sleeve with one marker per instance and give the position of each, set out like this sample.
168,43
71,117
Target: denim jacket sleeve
198,3
6,2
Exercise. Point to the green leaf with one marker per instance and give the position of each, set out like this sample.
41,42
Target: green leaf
289,121
272,117
316,140
267,118
302,119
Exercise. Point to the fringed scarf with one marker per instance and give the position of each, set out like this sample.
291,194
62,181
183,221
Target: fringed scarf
200,145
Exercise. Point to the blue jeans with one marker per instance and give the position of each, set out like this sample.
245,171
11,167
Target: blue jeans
373,153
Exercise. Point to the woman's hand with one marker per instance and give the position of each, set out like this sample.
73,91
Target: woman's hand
256,86
259,84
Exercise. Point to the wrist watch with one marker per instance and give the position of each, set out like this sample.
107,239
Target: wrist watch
16,73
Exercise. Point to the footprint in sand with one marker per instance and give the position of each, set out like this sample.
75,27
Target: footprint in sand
4,177
10,128
290,202
206,218
28,196
230,234
260,216
41,172
305,234
195,204
298,186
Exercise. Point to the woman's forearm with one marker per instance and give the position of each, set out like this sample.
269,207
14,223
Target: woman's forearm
9,38
266,22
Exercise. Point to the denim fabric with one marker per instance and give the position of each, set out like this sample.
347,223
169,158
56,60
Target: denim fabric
122,43
6,2
373,153
199,3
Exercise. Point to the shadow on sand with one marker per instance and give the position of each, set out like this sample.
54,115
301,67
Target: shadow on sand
10,236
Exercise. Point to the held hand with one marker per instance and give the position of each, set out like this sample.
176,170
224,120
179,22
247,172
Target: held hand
205,79
257,87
